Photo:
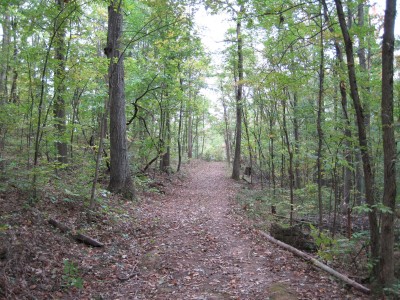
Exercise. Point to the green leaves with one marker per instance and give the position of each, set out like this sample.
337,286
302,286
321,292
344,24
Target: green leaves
71,277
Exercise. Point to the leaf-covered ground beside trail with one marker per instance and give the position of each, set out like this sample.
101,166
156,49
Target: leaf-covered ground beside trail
185,243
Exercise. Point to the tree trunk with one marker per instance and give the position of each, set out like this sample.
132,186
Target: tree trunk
5,57
362,137
227,133
272,153
14,90
59,86
319,125
165,159
248,145
296,131
120,177
290,152
389,148
239,96
179,131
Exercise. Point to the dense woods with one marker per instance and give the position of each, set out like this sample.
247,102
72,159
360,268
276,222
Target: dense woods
304,107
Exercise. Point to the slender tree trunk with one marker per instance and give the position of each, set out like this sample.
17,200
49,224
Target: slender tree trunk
204,134
239,96
290,152
197,137
120,175
365,90
227,134
248,144
165,159
296,129
14,85
362,137
98,161
190,121
347,173
179,131
59,86
190,134
5,57
272,153
361,53
319,125
389,149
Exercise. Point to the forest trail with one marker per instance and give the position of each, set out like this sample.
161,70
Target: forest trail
200,248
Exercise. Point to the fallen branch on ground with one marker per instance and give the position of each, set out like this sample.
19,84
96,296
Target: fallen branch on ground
77,237
315,262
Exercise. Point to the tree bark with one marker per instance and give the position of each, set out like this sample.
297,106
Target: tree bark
362,137
250,149
14,97
227,133
5,48
290,152
120,177
190,120
239,96
389,148
319,125
296,131
180,130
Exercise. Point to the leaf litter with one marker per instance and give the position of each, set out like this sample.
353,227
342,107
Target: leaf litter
185,243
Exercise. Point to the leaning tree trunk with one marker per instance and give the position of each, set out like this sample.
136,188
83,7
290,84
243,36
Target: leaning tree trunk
120,177
389,148
239,96
363,141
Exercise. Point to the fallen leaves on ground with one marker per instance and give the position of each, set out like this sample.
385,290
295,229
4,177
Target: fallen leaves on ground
184,243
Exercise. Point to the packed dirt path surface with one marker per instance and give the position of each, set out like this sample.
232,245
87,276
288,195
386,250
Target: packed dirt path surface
199,248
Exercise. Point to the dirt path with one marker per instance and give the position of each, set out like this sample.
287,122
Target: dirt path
200,249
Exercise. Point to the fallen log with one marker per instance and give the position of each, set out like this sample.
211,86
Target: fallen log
317,263
79,237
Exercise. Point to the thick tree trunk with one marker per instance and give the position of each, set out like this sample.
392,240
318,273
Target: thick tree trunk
389,148
239,96
59,86
362,137
120,177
